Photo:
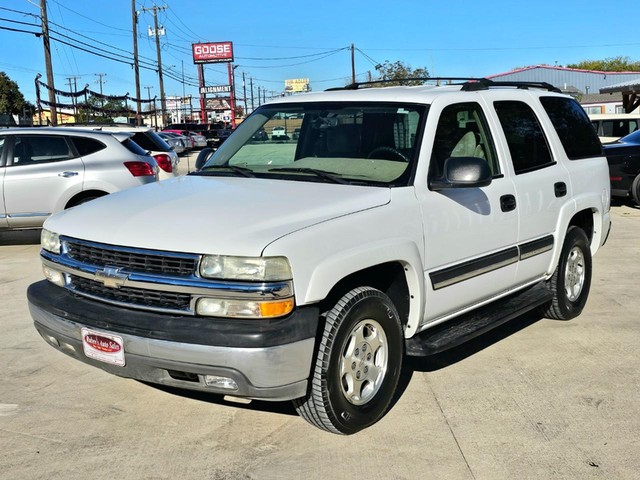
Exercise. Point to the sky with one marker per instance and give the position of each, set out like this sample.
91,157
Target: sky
278,40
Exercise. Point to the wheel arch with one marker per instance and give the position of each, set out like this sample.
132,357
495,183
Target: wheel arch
398,273
589,220
85,194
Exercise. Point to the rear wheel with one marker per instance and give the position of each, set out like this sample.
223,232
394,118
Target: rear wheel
571,281
358,364
635,190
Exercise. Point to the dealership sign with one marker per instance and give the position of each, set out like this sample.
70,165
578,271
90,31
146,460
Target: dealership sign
212,52
216,89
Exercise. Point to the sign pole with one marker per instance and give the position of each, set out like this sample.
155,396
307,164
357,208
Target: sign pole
232,99
203,101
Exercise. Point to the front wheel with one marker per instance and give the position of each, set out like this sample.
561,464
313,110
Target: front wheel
571,281
358,364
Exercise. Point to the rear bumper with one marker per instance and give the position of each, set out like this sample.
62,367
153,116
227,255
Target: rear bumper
271,361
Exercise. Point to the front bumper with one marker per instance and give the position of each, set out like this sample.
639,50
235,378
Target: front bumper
267,359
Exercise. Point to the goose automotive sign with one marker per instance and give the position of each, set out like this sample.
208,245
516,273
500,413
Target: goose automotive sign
212,52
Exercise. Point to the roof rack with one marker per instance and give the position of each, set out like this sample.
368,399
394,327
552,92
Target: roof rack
485,84
357,85
470,84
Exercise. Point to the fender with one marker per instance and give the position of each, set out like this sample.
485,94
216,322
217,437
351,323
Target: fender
342,264
324,254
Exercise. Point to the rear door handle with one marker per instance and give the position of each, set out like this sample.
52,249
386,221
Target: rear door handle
507,203
560,189
67,174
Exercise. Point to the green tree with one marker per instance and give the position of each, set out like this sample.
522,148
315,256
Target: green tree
611,64
11,100
399,73
105,104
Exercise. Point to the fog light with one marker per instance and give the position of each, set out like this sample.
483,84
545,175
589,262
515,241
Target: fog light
221,307
216,381
54,276
53,341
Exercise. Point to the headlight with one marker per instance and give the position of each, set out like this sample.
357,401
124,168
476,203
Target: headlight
50,241
256,269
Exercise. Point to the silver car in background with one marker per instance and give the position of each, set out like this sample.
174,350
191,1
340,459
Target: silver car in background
174,142
46,170
166,158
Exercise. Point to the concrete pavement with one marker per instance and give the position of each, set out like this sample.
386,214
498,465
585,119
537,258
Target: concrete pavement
535,399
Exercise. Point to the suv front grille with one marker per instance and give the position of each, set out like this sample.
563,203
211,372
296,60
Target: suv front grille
136,297
132,261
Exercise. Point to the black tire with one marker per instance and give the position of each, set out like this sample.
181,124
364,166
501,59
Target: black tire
571,281
635,190
358,364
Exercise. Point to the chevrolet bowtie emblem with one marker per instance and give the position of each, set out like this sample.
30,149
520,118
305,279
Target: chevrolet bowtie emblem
111,277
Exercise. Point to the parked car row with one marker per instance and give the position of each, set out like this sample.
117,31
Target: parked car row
47,170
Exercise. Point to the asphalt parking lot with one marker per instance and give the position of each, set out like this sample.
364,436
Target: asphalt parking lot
535,399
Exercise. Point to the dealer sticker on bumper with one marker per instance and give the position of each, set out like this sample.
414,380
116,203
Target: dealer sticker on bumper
103,347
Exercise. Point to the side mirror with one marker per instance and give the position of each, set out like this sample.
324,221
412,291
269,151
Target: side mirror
462,172
203,156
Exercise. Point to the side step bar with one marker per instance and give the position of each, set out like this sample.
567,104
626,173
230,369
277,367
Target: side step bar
470,325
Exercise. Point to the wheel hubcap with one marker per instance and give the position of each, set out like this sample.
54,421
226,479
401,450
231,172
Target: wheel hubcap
363,364
574,274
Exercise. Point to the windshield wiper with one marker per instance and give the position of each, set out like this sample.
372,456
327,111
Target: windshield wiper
245,172
319,173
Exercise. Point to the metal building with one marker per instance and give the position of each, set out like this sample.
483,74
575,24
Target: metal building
584,81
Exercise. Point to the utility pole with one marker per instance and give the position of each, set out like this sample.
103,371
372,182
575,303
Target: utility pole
157,32
251,83
74,89
136,67
149,87
53,114
353,64
244,94
100,81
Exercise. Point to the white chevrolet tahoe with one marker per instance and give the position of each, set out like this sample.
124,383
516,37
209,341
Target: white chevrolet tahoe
400,221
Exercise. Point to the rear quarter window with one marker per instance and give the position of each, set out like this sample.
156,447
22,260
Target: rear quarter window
87,146
133,147
575,130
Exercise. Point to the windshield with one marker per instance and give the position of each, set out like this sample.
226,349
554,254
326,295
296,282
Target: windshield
355,143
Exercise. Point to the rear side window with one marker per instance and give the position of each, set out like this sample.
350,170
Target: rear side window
572,124
527,142
133,147
87,146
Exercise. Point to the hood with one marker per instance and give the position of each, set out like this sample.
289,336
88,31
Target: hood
223,215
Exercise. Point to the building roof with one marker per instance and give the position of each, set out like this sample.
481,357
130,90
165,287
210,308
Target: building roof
599,98
630,86
566,69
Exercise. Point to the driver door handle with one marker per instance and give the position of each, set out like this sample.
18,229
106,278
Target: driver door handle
67,174
507,203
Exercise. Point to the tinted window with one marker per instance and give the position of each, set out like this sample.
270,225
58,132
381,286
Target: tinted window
618,128
87,146
134,147
150,141
576,132
527,143
29,149
463,132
